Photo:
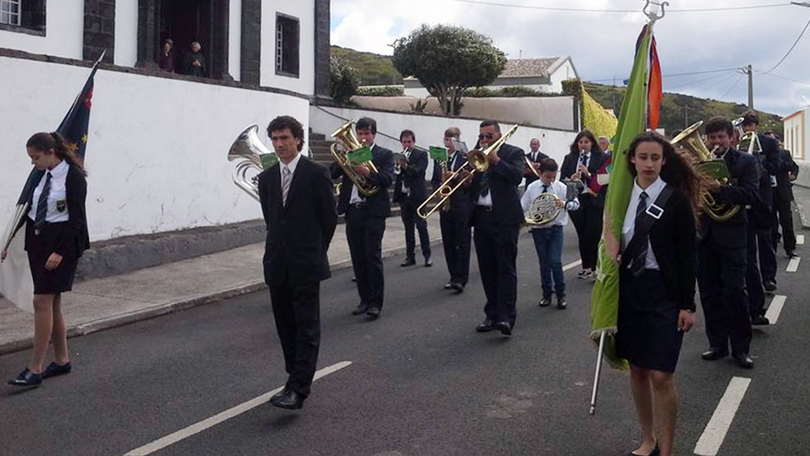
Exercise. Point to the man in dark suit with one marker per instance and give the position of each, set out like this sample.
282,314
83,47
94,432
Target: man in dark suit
455,216
535,157
365,219
299,210
722,251
497,217
783,197
410,192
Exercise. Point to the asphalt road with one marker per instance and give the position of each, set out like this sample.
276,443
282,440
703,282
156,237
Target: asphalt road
421,381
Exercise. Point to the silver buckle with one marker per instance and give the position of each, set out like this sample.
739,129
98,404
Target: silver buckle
655,211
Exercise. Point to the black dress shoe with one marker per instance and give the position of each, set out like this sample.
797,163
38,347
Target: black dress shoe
428,262
760,320
713,354
769,285
791,254
457,286
360,310
545,302
55,370
448,286
487,326
373,312
288,399
26,378
354,279
407,262
504,327
561,304
744,361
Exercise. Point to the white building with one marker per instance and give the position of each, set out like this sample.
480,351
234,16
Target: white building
542,74
796,139
157,144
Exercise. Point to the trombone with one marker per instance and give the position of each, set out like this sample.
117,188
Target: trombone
477,161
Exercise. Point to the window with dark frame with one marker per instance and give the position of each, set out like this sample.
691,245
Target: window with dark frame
287,43
10,12
26,16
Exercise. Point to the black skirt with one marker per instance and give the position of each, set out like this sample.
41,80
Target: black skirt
648,334
40,246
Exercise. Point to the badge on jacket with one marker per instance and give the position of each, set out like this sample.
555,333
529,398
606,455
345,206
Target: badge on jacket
61,205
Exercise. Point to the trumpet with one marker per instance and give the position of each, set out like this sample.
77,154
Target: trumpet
477,161
404,155
347,140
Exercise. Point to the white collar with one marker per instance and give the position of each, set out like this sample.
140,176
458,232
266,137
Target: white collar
652,191
59,171
293,164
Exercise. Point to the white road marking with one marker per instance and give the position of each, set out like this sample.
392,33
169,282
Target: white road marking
800,239
772,314
715,432
196,428
572,265
793,264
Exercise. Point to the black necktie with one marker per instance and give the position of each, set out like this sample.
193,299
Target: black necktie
639,260
42,204
545,189
484,185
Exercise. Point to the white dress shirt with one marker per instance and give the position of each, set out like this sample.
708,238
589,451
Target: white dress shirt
291,165
629,225
535,189
356,196
57,197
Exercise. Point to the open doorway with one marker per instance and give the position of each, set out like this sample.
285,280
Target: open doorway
187,21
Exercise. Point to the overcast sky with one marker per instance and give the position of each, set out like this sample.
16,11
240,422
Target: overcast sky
601,43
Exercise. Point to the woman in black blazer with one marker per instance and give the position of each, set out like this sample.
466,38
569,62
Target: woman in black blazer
55,237
657,282
582,162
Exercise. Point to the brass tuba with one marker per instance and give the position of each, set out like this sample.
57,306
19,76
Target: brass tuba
347,140
254,155
707,168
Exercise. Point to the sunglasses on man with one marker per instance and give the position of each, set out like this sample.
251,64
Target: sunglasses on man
486,135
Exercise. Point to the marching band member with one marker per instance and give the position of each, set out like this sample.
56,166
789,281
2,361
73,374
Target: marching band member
535,157
298,205
455,218
548,238
582,163
365,220
410,191
497,218
722,251
657,283
56,235
782,197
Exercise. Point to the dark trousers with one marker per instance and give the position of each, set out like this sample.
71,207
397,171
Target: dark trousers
721,277
767,254
782,209
411,220
297,313
364,232
548,242
753,277
456,238
588,224
496,249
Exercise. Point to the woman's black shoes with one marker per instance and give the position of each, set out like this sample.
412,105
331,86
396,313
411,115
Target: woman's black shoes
55,370
26,379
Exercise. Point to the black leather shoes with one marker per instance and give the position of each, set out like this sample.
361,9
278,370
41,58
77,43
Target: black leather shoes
448,286
373,312
561,304
26,379
288,399
791,254
428,262
744,361
713,354
360,310
545,302
487,326
504,327
769,285
407,262
760,320
457,286
55,370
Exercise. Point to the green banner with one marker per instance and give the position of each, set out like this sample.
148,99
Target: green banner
269,160
361,155
438,153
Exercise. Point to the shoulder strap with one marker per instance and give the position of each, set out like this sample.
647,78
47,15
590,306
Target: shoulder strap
653,213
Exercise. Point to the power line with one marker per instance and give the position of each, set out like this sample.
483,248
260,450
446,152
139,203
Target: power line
672,75
732,87
697,82
586,10
786,79
791,48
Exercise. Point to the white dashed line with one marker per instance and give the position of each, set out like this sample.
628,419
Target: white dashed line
572,265
715,432
772,314
196,428
800,239
793,264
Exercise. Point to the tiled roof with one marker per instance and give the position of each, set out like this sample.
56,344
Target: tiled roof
524,68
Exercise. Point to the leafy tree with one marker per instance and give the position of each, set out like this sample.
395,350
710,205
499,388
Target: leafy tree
343,80
447,60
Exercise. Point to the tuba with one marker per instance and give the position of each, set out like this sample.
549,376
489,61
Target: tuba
254,155
707,168
348,142
747,142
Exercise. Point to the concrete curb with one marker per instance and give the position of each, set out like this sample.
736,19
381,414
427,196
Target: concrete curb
158,310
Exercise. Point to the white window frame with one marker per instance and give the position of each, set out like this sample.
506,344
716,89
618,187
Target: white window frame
7,16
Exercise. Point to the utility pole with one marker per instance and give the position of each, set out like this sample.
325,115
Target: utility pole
750,73
685,116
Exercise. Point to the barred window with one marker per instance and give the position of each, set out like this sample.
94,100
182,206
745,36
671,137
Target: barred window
10,12
287,42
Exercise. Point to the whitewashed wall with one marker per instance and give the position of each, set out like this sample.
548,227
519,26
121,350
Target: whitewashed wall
157,147
235,40
566,71
305,12
64,32
795,135
430,130
126,32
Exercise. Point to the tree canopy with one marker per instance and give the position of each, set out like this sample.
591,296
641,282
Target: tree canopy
447,60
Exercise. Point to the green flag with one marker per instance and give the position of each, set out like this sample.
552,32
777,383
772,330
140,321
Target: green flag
269,160
361,155
632,121
438,153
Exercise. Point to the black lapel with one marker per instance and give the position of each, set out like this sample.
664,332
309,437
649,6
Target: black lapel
274,186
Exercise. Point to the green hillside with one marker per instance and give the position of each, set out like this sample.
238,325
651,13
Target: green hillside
373,69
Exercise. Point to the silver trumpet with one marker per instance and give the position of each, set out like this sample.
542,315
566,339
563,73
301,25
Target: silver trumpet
250,150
